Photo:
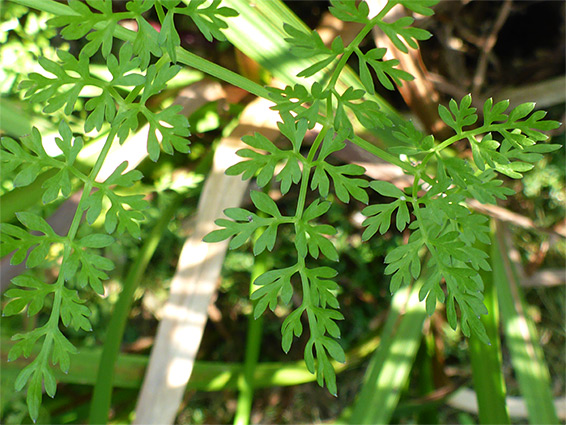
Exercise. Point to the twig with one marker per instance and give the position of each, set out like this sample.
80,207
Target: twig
488,45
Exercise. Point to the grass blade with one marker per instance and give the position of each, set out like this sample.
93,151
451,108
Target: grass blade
129,369
265,43
521,338
253,345
391,364
487,373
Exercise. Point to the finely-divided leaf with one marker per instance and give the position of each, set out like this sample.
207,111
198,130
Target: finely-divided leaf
146,42
97,27
243,224
291,326
169,127
273,284
458,116
416,143
28,158
264,164
294,98
344,185
73,314
422,7
31,160
63,90
379,216
62,347
311,238
401,30
324,347
404,263
385,70
33,375
347,10
21,242
37,374
210,18
310,45
323,293
91,267
33,296
125,212
367,112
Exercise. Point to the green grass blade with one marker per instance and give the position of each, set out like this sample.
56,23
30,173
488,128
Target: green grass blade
253,345
391,364
487,371
258,33
521,338
425,383
17,123
129,369
102,395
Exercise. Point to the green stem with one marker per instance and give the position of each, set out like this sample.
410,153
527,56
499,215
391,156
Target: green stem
160,12
306,173
386,156
187,58
253,345
355,43
102,395
487,371
54,317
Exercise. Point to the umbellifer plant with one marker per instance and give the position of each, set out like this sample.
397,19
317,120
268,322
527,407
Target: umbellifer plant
443,229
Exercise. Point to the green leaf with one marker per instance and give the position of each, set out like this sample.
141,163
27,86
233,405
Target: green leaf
210,18
34,295
272,284
293,99
146,42
346,10
35,392
387,189
24,347
61,350
169,126
264,164
310,238
368,113
291,326
242,229
34,222
401,30
96,240
264,203
125,214
73,314
404,262
494,113
458,116
125,180
92,271
386,71
305,44
422,7
344,185
323,293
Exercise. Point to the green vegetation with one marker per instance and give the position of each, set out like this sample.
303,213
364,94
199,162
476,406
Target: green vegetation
296,239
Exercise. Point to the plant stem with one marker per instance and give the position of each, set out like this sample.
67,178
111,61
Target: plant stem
253,345
102,394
